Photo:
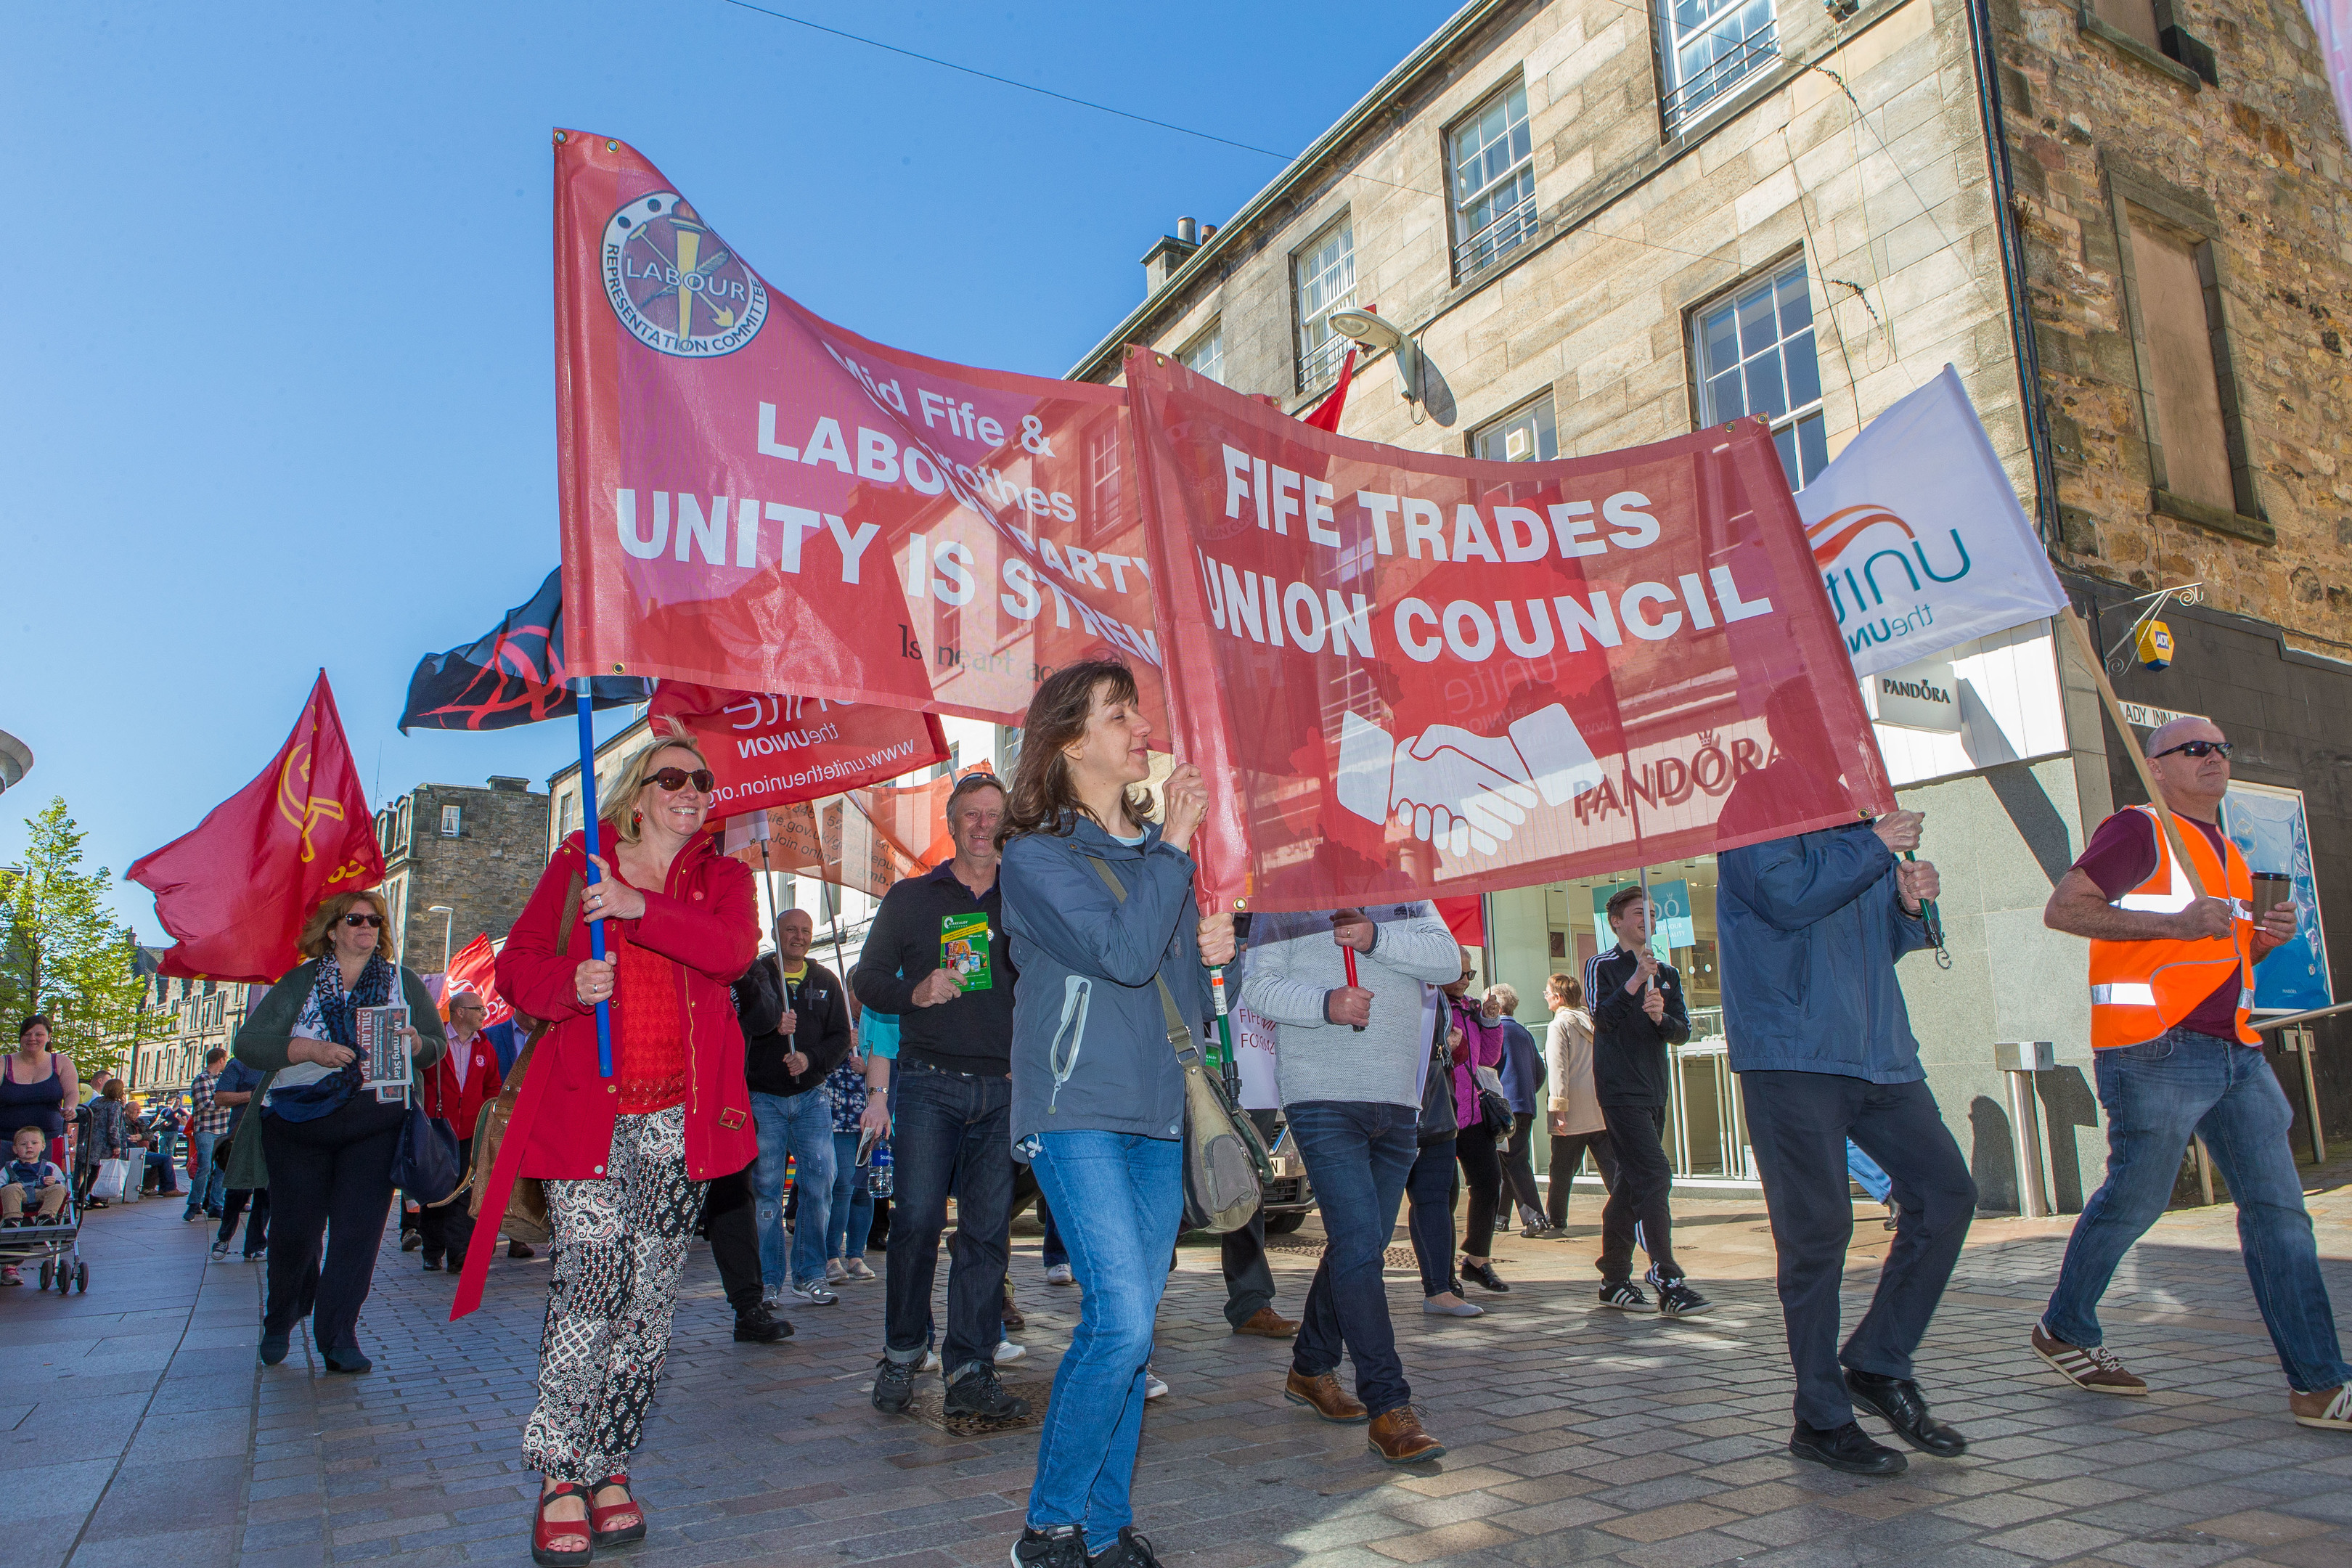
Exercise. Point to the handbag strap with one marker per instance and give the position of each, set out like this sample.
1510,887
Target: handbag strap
1180,1033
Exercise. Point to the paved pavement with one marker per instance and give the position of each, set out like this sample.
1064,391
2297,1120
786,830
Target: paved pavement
139,1430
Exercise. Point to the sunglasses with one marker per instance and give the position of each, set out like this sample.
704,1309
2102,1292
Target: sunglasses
2196,748
372,922
676,779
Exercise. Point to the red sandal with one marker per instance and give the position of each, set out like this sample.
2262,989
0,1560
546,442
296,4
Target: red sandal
615,1523
562,1542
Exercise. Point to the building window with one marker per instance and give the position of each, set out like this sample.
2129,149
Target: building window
1326,282
452,821
1493,168
1526,435
1754,348
406,821
1205,356
1103,464
1705,45
2188,397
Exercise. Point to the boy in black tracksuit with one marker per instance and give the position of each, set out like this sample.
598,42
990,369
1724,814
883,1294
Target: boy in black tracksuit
1637,1013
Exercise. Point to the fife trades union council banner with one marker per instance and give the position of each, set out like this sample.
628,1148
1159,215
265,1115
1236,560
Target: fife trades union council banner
754,498
1427,675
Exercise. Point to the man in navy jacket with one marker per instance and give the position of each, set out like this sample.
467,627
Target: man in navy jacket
1810,928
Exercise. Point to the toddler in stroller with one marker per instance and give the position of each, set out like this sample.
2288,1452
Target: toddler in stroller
29,1179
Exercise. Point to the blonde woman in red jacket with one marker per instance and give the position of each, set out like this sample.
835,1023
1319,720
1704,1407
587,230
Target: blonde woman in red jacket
624,1159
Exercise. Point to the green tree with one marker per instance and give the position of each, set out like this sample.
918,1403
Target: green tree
63,953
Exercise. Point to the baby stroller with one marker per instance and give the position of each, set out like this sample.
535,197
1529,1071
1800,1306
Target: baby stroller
54,1244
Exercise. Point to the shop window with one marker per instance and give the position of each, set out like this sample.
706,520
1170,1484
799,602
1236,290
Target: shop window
1754,351
1492,159
1324,279
1526,434
1705,46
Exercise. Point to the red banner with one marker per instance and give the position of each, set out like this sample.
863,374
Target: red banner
475,969
234,892
1427,675
866,838
768,750
756,500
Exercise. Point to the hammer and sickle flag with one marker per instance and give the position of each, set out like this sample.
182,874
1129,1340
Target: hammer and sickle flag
234,893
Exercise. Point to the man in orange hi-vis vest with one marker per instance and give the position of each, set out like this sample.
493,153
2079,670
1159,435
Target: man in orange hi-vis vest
2172,982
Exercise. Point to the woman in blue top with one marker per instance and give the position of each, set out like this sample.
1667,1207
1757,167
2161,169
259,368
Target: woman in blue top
1097,1097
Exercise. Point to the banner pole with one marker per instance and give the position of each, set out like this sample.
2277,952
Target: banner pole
586,704
2084,646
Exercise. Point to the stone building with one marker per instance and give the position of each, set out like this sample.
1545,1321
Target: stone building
475,850
183,1021
1600,224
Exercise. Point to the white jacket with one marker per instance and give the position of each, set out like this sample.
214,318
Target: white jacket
1568,1058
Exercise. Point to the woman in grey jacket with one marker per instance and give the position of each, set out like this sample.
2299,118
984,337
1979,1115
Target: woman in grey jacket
1107,941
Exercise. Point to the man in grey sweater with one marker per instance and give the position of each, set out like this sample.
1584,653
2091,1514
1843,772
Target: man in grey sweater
1349,1060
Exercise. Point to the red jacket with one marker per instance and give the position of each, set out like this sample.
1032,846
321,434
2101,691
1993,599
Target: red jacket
705,918
461,1108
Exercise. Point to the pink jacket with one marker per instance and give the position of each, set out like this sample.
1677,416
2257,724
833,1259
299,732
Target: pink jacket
1482,1045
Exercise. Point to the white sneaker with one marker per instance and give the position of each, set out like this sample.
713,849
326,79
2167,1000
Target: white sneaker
1059,1274
856,1271
930,1361
834,1273
1152,1387
814,1294
1006,1351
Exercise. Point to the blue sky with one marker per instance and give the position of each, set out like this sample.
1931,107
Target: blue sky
280,386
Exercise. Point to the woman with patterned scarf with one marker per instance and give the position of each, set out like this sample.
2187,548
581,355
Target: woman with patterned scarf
328,1146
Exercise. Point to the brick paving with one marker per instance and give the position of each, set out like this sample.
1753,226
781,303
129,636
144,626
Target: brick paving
140,1431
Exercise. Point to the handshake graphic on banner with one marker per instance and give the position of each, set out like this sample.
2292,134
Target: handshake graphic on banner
1464,793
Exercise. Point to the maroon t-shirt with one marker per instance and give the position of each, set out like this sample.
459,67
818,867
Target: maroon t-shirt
2119,857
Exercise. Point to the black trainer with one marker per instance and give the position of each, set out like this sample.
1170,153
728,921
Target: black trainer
1898,1402
1677,1300
1484,1276
1063,1548
894,1386
1130,1551
761,1327
974,1391
1626,1297
1847,1448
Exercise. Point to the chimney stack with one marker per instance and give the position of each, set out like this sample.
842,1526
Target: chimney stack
1167,258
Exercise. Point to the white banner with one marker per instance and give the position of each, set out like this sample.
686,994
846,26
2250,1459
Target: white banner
1920,538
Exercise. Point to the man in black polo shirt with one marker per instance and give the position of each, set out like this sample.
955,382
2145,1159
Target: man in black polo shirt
1637,1013
936,956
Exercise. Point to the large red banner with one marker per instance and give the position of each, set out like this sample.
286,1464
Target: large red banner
1420,675
769,750
755,499
862,838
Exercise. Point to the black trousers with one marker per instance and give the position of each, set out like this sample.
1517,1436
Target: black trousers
331,1184
1640,1195
1568,1153
257,1221
1482,1172
1519,1168
731,1219
449,1229
1429,1216
1797,1123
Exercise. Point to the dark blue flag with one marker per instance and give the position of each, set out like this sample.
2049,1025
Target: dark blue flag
513,676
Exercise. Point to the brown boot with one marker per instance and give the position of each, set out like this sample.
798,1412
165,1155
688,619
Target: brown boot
1323,1395
1267,1324
1397,1437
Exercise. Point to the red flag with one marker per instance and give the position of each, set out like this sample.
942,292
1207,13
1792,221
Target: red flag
1326,415
769,750
1417,675
234,892
475,969
1466,917
754,498
866,838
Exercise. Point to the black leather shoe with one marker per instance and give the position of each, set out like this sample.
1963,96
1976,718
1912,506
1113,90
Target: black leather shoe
1484,1276
274,1347
1897,1402
346,1361
1847,1448
761,1327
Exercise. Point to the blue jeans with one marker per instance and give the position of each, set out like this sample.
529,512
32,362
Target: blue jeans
851,1218
1429,1214
1357,1156
952,1136
2156,1094
1865,1172
800,1126
1123,1199
208,1188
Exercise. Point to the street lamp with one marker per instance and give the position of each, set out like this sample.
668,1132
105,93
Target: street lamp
449,915
1368,328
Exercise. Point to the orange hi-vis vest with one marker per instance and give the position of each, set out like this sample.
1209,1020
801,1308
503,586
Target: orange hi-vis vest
2140,989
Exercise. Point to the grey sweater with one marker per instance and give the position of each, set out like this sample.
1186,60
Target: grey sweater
1293,964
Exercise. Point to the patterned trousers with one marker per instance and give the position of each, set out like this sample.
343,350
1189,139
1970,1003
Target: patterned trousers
619,1243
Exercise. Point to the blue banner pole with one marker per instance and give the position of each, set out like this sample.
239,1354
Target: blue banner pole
588,812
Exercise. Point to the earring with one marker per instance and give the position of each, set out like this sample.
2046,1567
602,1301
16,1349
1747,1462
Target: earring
637,819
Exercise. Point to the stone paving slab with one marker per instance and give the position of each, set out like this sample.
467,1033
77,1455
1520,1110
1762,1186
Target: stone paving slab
1576,1435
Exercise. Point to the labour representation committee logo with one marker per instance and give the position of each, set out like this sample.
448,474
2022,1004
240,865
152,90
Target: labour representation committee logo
673,283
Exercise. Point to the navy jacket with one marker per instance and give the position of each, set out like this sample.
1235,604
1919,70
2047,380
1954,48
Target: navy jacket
1090,1049
1810,928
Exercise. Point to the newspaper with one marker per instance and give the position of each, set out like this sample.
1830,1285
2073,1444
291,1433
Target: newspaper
384,1066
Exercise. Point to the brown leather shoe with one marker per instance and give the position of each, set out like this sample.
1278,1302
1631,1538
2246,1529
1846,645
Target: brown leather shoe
1324,1396
1267,1324
1397,1436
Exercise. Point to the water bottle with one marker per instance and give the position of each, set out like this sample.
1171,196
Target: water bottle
878,1170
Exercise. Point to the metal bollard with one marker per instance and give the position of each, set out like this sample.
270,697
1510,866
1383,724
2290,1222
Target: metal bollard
2019,1060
